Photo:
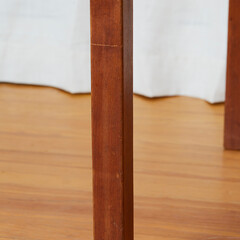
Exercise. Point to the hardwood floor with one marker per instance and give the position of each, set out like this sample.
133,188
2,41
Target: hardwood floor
186,186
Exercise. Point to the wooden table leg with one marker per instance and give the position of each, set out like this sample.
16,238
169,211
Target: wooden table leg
232,105
112,118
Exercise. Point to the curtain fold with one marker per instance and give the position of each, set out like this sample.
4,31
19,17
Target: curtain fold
180,46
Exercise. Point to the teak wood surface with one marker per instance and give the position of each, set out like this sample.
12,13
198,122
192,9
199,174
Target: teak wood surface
232,105
186,186
111,58
112,118
194,199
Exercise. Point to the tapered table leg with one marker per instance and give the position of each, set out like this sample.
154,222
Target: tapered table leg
112,118
232,105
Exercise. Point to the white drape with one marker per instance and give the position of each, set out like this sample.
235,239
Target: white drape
179,45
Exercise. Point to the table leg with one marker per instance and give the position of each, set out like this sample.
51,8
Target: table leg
232,105
112,118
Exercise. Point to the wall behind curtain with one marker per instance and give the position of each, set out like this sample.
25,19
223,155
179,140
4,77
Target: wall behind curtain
180,46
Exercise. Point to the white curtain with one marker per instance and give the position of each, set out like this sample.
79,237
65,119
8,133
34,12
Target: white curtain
180,46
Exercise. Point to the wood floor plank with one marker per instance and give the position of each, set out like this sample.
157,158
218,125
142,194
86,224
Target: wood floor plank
186,186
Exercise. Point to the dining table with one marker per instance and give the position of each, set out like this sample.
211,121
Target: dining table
112,112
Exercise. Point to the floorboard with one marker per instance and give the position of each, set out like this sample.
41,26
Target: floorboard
186,186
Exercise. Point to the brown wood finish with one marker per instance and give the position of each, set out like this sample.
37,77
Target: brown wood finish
187,187
232,106
112,118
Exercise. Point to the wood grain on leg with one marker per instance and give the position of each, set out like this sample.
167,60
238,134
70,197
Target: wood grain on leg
112,118
232,109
